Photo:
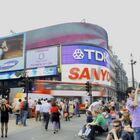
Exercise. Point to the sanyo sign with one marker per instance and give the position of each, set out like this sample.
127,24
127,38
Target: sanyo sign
83,72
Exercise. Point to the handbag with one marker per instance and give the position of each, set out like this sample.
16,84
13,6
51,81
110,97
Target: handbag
65,114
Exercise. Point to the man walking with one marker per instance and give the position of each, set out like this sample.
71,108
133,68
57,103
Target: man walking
25,111
133,106
46,107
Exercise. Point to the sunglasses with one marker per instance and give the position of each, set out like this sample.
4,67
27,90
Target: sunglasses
116,125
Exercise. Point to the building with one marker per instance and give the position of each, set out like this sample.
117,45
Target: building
70,52
121,79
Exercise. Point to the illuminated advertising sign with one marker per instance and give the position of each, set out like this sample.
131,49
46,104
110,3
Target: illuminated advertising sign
10,75
42,71
11,53
82,73
30,73
41,57
81,63
84,54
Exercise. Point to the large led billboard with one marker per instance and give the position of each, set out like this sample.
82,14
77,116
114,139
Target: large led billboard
81,63
40,57
42,71
12,53
85,54
10,75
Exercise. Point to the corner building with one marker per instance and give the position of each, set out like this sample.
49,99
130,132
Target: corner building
70,52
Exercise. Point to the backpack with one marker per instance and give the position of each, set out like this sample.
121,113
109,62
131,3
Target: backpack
24,105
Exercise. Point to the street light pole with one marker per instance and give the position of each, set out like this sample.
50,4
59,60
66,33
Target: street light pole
132,62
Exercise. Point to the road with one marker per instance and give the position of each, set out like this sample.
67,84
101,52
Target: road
35,130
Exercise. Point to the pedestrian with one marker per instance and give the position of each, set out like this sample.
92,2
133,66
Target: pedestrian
89,119
86,104
31,107
38,110
45,108
5,109
127,124
133,105
66,110
77,108
55,117
25,111
71,108
96,105
117,132
17,111
98,124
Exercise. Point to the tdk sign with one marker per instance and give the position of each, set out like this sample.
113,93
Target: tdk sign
82,54
8,65
99,56
78,54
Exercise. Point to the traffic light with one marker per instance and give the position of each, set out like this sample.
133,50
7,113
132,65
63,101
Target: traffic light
88,86
22,82
25,82
1,90
4,92
7,91
30,84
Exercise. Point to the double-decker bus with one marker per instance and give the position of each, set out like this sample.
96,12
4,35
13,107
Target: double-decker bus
72,91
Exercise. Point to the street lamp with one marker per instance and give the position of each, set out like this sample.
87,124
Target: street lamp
132,62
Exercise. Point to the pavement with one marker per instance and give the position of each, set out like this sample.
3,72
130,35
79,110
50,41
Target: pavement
35,130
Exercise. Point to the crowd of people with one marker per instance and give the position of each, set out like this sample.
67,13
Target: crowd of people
42,110
119,119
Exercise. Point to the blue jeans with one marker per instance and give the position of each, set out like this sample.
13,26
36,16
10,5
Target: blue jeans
18,118
25,114
137,133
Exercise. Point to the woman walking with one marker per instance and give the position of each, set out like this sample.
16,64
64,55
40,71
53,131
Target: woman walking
5,109
55,117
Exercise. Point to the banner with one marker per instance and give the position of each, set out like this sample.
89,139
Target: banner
10,75
82,73
85,54
41,57
42,71
12,53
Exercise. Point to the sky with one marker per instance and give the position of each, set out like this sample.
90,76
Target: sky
120,18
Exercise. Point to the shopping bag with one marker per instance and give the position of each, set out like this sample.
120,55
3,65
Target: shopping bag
87,131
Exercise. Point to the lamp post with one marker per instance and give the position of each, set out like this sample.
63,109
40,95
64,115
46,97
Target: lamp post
132,62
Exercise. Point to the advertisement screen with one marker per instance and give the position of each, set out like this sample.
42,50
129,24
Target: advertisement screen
42,72
84,54
82,63
11,53
82,73
41,57
10,75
